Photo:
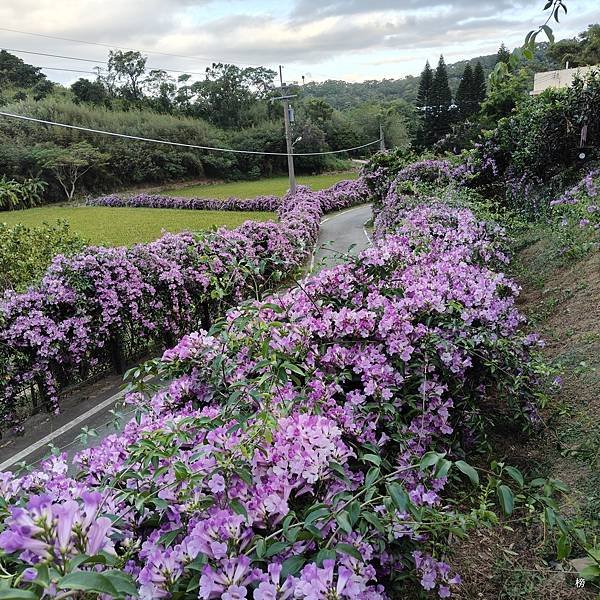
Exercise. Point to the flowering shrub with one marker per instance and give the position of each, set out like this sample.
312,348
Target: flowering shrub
305,446
578,211
342,195
94,308
267,203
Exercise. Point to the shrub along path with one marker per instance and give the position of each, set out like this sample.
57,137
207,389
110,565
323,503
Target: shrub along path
338,232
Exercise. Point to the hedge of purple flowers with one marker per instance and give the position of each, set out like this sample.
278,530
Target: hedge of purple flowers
341,195
99,307
306,446
578,212
267,203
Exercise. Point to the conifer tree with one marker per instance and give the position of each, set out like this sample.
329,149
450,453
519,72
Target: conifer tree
479,85
503,55
424,97
464,95
441,100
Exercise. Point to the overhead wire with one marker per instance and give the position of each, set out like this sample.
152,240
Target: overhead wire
181,144
157,52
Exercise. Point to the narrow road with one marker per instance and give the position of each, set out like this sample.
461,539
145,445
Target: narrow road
92,407
339,232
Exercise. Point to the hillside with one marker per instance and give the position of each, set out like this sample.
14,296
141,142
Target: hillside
343,95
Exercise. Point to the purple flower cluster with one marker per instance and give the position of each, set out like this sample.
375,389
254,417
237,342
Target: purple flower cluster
342,195
282,458
440,172
578,211
102,298
266,203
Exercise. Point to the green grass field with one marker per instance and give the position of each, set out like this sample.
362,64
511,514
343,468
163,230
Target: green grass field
276,186
126,226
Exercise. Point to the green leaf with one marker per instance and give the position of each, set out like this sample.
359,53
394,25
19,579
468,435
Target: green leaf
429,459
276,548
374,520
14,594
348,549
591,572
563,547
324,554
372,476
315,515
122,582
291,566
442,468
343,521
468,470
399,496
506,499
373,458
88,581
515,474
238,507
549,33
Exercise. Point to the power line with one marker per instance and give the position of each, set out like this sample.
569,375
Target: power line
104,45
70,70
91,60
169,143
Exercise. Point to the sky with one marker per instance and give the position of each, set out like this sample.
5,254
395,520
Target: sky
353,40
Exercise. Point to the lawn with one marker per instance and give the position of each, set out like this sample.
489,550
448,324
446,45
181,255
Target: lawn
126,226
276,186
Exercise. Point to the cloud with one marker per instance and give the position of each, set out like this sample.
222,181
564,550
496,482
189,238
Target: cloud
346,36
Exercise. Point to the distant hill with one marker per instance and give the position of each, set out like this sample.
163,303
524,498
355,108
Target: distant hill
343,95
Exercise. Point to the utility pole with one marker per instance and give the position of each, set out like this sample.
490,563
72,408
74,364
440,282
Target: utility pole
288,131
381,138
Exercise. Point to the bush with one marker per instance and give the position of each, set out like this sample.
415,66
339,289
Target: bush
26,253
577,212
15,195
98,308
307,446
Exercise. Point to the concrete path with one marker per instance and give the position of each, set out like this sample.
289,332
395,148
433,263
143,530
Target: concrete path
93,407
338,233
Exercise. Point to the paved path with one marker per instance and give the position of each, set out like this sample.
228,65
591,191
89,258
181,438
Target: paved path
92,408
338,233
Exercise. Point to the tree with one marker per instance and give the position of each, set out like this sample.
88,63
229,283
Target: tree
69,165
503,55
584,50
162,89
318,110
425,136
464,95
227,93
129,68
479,84
441,101
16,72
92,92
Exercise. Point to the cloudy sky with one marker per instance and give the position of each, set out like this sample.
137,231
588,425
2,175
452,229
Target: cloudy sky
342,39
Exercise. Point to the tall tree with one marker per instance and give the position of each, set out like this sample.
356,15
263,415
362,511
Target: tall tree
441,101
503,55
129,68
424,97
479,84
464,95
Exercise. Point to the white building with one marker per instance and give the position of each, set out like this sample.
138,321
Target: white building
558,79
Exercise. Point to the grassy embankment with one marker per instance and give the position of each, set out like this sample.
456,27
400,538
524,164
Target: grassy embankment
127,226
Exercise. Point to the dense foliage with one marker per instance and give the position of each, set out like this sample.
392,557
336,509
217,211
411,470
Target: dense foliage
17,195
307,445
26,253
578,214
105,305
